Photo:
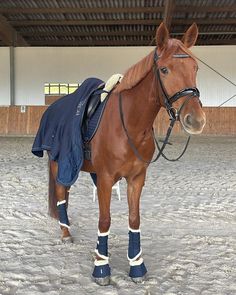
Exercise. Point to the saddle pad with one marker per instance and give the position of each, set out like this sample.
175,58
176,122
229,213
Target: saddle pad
110,84
95,121
60,132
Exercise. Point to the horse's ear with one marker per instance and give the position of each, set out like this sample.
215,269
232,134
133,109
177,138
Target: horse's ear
162,36
190,36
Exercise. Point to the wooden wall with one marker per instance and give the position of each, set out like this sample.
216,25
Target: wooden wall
220,121
13,122
49,99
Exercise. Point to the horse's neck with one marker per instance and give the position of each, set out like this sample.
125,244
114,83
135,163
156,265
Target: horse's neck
141,106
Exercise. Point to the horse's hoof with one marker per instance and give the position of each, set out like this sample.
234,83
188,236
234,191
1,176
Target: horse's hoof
139,280
102,274
138,272
102,281
67,240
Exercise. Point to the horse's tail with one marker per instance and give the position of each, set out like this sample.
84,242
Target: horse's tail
52,201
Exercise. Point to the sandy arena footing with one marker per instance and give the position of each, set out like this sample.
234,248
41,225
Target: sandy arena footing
188,224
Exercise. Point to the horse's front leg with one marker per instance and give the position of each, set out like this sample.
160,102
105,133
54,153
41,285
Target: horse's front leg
137,266
102,271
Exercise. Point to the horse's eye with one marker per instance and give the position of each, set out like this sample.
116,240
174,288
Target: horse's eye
164,70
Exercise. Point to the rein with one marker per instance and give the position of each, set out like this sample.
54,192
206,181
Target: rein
173,113
130,141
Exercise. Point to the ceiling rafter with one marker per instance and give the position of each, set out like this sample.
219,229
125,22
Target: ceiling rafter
191,8
100,33
114,33
114,26
9,36
168,12
120,22
83,22
81,10
217,42
45,10
118,42
90,42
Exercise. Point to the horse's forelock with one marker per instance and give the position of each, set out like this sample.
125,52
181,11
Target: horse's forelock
173,47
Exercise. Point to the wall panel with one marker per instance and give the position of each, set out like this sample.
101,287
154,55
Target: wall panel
4,114
220,121
34,116
37,65
17,122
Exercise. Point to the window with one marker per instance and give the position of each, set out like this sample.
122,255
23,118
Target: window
59,89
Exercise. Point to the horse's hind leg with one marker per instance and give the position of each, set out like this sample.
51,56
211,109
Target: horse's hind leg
58,201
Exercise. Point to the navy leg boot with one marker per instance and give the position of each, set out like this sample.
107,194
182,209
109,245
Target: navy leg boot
63,219
137,267
102,271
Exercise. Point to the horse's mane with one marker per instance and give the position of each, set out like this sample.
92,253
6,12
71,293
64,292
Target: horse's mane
139,71
136,73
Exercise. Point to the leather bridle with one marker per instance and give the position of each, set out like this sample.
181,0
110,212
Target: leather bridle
174,114
190,92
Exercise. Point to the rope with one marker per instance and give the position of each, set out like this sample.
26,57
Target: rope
227,79
226,100
218,73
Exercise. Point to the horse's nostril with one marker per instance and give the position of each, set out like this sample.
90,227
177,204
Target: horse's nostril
192,122
188,120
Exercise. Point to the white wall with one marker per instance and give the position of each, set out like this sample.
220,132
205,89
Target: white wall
36,65
214,89
4,75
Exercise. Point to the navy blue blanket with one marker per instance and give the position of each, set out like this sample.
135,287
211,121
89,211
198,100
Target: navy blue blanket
60,132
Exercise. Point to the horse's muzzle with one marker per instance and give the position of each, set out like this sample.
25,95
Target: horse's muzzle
193,124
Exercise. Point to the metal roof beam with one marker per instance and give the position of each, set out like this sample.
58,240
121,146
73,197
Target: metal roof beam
113,33
122,42
82,22
168,12
17,10
120,22
90,43
83,34
9,36
212,8
45,10
217,42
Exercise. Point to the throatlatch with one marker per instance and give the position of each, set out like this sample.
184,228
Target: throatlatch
62,211
137,267
102,268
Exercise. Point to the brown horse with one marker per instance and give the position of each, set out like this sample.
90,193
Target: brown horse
165,78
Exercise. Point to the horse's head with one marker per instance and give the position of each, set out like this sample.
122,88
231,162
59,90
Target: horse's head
176,72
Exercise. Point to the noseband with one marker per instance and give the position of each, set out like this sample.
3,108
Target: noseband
190,92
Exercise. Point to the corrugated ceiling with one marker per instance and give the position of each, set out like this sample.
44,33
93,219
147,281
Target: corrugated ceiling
112,23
